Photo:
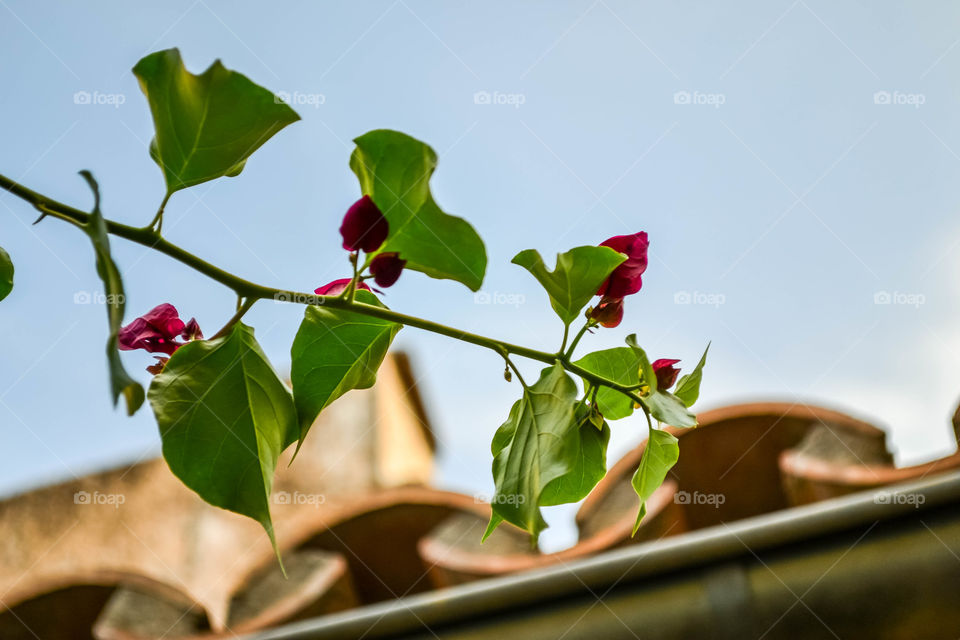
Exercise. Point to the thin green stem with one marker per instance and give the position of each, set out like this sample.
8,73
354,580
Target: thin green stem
140,235
252,291
586,394
355,280
157,223
510,364
241,311
563,344
576,340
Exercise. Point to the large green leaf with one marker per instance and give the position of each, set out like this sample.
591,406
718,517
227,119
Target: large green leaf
6,274
206,125
688,388
538,443
621,365
662,405
394,170
661,453
336,351
224,418
590,464
668,409
96,227
575,279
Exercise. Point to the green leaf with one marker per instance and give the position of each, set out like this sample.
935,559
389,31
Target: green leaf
688,388
224,418
538,443
394,170
661,453
6,274
621,365
96,228
590,464
206,125
575,279
647,375
668,409
336,351
662,405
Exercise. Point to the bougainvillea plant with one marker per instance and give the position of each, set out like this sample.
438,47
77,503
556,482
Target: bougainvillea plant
224,414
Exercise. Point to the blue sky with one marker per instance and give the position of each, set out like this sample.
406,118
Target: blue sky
782,193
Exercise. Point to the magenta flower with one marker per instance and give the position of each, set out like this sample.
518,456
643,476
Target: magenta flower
158,331
386,268
666,373
364,227
626,279
609,312
337,287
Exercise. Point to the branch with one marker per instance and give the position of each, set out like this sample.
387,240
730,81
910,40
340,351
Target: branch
252,291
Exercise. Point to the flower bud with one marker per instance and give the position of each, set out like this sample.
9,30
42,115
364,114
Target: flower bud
666,373
364,227
609,312
386,268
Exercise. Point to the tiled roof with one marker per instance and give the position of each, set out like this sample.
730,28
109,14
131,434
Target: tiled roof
130,553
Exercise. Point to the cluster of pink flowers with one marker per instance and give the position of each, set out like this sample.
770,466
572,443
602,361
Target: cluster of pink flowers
160,330
626,280
364,228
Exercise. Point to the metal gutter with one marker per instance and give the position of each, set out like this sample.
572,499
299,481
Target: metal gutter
894,552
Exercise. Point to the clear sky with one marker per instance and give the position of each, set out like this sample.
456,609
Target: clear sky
783,195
